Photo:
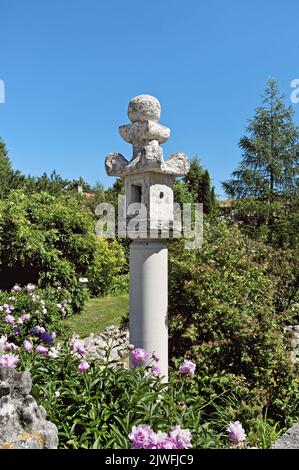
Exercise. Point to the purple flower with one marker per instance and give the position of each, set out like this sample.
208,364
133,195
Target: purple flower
155,357
83,367
37,330
16,331
42,350
139,356
155,370
188,367
47,338
28,346
236,432
9,319
141,436
167,443
80,350
25,317
9,360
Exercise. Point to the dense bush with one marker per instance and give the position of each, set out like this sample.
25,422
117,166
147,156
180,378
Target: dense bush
50,240
222,315
22,309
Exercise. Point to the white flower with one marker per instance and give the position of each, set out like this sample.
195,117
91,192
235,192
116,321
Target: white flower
83,280
57,394
54,352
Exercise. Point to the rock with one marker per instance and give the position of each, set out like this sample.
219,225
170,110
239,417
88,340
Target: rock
114,338
144,108
289,440
23,423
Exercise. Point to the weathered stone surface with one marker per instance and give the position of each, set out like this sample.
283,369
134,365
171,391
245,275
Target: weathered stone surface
177,164
144,107
145,135
23,423
115,164
289,440
110,345
144,131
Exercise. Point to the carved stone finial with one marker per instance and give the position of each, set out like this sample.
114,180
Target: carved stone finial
145,135
144,108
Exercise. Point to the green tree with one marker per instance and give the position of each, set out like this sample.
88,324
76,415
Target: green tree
270,151
199,185
52,184
267,176
9,179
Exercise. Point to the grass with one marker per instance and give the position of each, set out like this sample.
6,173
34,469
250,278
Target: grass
98,314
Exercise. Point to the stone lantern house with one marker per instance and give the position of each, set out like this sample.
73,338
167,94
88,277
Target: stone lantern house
148,188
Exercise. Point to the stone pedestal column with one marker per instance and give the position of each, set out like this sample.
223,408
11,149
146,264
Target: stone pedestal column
148,299
149,196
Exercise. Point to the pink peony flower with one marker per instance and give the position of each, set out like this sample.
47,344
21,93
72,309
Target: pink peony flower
155,357
236,432
139,356
182,437
9,360
25,317
42,350
16,288
141,436
188,367
155,370
9,319
28,346
167,443
30,287
83,367
80,350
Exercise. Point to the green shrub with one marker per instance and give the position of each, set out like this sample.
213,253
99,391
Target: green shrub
50,240
222,316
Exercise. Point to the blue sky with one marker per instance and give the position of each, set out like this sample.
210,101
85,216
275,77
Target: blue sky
70,68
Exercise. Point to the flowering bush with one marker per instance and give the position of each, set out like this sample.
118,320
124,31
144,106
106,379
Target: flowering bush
22,310
95,405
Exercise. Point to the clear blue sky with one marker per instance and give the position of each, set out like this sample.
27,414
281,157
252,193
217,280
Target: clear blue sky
71,66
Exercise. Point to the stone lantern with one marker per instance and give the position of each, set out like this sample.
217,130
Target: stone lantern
148,187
